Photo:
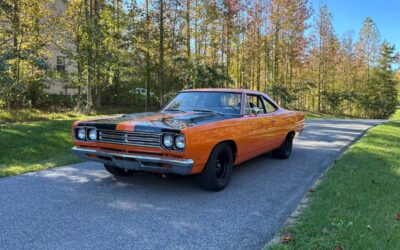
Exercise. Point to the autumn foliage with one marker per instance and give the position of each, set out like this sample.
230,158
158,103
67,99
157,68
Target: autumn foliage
282,47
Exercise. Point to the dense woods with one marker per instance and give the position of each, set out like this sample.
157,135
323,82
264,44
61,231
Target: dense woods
113,47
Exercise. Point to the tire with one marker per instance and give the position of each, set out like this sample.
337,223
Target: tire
116,171
284,151
218,170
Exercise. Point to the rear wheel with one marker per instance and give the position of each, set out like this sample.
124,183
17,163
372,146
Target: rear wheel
116,171
284,151
217,172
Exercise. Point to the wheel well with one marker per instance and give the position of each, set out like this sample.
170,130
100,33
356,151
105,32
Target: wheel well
233,147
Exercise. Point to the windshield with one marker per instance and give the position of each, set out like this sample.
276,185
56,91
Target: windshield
219,102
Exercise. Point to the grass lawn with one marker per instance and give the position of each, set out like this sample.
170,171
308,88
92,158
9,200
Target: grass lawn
314,115
33,146
37,145
29,115
357,203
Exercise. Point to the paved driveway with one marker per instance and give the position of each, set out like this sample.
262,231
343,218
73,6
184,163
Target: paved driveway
82,206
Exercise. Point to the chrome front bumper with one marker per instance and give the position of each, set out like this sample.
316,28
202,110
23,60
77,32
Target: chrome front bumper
138,162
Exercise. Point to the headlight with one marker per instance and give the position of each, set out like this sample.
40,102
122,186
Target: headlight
81,134
93,134
167,141
180,142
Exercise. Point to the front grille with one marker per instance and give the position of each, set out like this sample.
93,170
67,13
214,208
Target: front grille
130,138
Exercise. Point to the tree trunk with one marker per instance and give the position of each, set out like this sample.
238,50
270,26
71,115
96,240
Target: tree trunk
258,57
161,51
88,19
188,28
147,83
16,33
97,48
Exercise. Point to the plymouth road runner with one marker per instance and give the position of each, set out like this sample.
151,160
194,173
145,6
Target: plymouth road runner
203,131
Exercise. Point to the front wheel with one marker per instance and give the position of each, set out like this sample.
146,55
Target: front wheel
116,171
284,151
217,172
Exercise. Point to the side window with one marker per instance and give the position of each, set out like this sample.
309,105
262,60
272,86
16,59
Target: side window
269,106
254,101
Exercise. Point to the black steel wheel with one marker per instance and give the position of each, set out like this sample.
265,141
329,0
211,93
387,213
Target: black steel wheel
217,172
285,150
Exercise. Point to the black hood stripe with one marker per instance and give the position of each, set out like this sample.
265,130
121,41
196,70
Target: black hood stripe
162,122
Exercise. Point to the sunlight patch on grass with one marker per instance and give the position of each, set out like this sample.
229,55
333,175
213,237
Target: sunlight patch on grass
396,116
316,116
31,115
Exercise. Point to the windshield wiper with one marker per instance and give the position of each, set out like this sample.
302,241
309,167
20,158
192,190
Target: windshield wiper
177,110
208,111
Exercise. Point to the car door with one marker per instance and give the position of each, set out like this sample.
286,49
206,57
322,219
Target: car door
260,126
277,134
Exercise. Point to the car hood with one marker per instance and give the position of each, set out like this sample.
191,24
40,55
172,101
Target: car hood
156,122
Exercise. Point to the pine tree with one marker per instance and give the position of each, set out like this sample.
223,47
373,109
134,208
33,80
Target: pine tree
380,99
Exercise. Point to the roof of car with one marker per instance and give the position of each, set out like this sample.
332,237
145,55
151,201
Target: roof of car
223,90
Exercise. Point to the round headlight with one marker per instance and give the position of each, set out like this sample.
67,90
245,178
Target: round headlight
81,134
93,134
167,141
180,142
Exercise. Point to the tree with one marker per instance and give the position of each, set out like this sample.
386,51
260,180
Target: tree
325,43
368,44
380,99
161,52
116,48
23,38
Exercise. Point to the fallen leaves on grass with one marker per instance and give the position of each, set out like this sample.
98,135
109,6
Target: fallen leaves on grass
286,238
398,216
338,248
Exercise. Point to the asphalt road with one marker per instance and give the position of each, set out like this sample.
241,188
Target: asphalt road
83,207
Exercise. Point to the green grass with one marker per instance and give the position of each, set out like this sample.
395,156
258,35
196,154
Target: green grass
35,146
30,115
315,115
356,204
32,140
27,146
396,116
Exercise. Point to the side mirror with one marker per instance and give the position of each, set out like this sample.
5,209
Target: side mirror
255,110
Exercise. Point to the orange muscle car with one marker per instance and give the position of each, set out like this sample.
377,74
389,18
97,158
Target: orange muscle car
202,131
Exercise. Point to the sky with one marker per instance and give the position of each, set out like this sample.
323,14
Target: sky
350,14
